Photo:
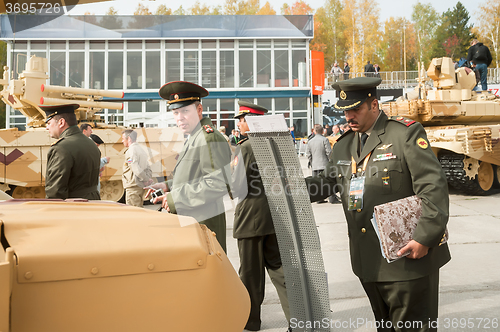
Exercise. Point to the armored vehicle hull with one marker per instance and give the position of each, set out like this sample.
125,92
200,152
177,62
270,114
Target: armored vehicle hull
102,266
462,125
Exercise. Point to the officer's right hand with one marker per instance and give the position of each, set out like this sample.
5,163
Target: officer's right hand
154,187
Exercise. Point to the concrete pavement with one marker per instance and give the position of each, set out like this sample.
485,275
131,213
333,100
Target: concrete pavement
469,283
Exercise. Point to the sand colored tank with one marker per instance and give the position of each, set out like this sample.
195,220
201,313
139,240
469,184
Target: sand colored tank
462,125
111,267
23,153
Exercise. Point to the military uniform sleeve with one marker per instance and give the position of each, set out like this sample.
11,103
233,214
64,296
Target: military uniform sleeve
214,163
59,165
239,176
430,184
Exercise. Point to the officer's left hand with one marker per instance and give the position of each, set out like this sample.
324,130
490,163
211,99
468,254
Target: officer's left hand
416,250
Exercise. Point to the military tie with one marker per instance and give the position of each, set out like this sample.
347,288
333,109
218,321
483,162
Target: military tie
364,137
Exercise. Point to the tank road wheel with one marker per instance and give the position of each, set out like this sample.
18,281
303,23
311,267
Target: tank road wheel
112,190
28,192
467,175
496,182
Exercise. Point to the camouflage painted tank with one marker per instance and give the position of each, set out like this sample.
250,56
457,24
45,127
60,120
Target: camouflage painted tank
23,153
462,125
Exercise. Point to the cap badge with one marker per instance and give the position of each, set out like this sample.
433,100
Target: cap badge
176,96
343,95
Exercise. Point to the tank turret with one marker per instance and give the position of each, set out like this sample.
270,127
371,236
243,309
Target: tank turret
462,125
23,153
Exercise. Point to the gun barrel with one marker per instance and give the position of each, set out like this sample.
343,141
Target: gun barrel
81,91
83,103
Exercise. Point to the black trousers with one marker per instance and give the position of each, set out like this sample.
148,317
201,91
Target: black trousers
410,305
258,254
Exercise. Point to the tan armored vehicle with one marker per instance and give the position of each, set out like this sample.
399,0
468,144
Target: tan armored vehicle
102,266
462,125
23,153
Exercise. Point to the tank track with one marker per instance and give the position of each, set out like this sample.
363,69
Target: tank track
453,166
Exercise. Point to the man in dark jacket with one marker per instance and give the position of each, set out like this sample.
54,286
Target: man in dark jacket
369,69
73,160
253,225
481,56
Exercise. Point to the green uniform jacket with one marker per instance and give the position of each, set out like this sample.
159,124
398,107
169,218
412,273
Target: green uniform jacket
414,170
252,216
201,177
73,167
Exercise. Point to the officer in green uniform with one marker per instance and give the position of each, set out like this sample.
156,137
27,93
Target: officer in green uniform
73,160
389,158
253,225
201,174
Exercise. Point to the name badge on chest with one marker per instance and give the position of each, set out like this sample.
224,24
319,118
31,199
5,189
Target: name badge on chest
357,185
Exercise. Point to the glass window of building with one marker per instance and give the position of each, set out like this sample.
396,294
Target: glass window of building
299,68
77,45
264,43
115,44
280,43
225,44
209,69
41,54
281,104
209,105
58,45
115,117
77,69
134,70
115,70
267,103
19,64
38,45
97,44
226,69
173,66
299,103
172,44
263,68
208,44
134,107
96,70
152,106
58,68
190,44
246,69
153,44
281,68
153,70
191,66
134,44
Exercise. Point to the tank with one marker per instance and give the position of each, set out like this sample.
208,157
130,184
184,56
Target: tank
23,153
462,125
159,272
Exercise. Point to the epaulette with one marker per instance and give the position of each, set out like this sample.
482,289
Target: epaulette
402,120
343,135
243,140
57,141
208,129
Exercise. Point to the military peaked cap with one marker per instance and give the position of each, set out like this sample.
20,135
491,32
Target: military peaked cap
180,93
249,108
96,139
53,110
354,92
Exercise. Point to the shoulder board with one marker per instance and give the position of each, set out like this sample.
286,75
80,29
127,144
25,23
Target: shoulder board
242,140
402,120
344,134
57,141
208,129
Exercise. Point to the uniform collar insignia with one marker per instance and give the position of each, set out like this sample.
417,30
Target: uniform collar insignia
385,146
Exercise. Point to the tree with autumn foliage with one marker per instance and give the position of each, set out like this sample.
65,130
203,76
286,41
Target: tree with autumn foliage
298,8
488,27
398,41
163,10
266,10
241,7
329,35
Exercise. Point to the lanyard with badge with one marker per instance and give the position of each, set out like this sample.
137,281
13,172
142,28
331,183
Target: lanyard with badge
357,187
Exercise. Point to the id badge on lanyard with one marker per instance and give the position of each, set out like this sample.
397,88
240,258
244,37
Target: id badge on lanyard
357,186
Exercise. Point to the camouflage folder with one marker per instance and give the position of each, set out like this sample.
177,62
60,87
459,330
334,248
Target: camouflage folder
395,222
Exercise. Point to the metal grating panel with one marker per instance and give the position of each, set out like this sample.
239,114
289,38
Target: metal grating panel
293,219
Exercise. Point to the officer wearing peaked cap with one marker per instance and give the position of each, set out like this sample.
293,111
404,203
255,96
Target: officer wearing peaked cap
386,159
201,175
253,225
73,160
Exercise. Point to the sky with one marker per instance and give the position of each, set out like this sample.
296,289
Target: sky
388,8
